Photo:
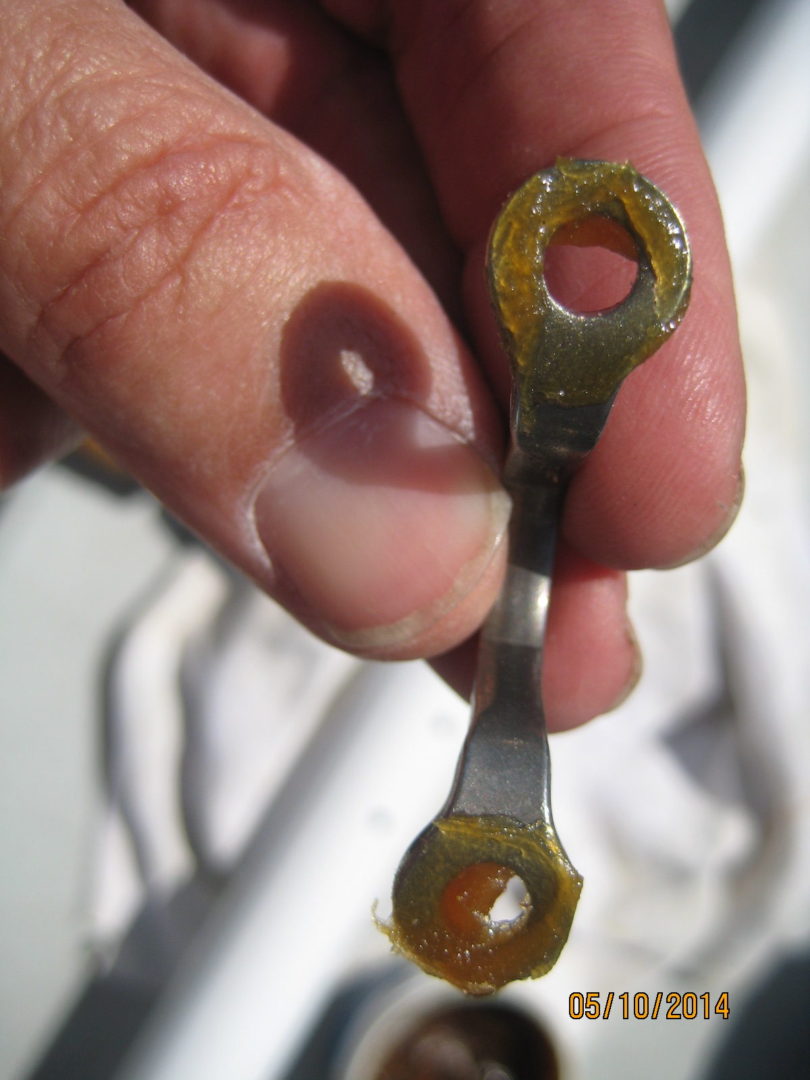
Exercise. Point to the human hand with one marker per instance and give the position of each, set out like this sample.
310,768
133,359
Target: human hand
267,341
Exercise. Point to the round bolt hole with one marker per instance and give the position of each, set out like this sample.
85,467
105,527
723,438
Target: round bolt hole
590,265
484,898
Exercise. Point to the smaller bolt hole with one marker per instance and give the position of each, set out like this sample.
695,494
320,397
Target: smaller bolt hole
591,265
483,898
513,902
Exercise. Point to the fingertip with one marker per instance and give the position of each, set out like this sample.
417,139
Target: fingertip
591,658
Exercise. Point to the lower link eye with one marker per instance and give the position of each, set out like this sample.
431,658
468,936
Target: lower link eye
483,901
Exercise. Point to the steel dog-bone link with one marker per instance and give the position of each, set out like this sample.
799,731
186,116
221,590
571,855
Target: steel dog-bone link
566,369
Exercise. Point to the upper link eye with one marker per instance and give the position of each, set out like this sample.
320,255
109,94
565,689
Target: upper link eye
581,359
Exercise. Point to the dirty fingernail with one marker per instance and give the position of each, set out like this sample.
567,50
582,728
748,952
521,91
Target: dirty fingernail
635,671
379,523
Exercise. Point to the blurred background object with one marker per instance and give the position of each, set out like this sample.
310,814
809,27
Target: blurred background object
200,802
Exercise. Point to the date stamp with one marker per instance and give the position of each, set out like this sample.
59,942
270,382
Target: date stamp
677,1005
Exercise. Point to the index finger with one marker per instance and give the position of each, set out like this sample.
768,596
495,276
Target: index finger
496,92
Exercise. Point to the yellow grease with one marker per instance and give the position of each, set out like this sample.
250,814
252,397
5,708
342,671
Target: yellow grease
447,883
573,359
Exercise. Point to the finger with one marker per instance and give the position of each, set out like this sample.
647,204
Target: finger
591,662
224,313
32,429
497,91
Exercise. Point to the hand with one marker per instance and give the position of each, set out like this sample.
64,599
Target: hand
267,341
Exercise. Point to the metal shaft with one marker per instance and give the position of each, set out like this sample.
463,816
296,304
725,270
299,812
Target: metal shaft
504,766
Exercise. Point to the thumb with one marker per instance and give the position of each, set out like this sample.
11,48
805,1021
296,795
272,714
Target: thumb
226,315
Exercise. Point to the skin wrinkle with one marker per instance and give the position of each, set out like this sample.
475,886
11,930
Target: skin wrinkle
68,74
173,276
123,124
181,191
87,81
36,103
210,210
77,147
51,325
61,165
